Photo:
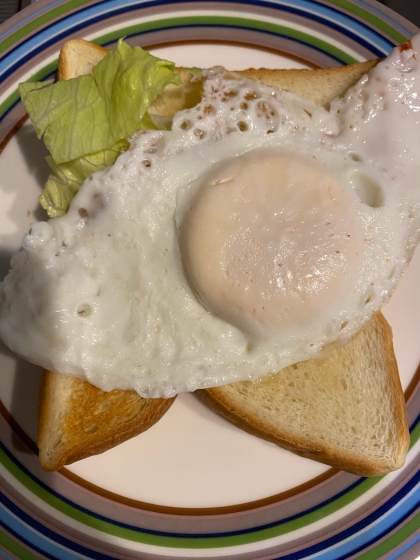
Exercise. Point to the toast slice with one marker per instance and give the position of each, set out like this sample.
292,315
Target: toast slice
77,420
347,411
78,57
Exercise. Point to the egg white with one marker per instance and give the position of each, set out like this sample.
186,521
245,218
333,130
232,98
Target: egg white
104,292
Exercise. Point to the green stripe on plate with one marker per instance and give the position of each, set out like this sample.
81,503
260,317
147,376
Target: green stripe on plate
41,20
138,536
415,435
42,74
15,548
393,541
181,542
74,4
370,18
195,20
224,21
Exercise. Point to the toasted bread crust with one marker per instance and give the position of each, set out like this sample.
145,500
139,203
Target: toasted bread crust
228,402
77,420
78,57
320,85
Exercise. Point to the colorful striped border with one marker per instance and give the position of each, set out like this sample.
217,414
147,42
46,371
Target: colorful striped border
387,523
44,516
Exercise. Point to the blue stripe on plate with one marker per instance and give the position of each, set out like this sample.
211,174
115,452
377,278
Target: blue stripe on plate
405,504
349,27
24,21
384,17
415,423
5,556
354,539
374,52
335,18
40,538
167,534
404,509
404,548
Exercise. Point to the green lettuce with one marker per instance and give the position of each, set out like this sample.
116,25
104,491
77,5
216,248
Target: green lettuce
85,122
65,178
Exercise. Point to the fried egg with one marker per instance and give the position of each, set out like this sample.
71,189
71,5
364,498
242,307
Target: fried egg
260,231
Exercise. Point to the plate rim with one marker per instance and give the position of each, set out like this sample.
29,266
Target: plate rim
46,3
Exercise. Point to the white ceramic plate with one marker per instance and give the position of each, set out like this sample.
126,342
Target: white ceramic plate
193,485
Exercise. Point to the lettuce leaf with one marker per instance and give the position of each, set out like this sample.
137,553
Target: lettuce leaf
65,179
86,120
99,109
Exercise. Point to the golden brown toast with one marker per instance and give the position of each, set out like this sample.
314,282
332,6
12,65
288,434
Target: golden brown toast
78,420
347,411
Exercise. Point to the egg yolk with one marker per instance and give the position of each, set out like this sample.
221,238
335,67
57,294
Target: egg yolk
268,240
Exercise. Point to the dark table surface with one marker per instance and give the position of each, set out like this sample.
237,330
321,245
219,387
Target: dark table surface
410,9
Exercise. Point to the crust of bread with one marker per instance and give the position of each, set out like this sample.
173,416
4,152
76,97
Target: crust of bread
77,420
320,85
359,450
78,57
